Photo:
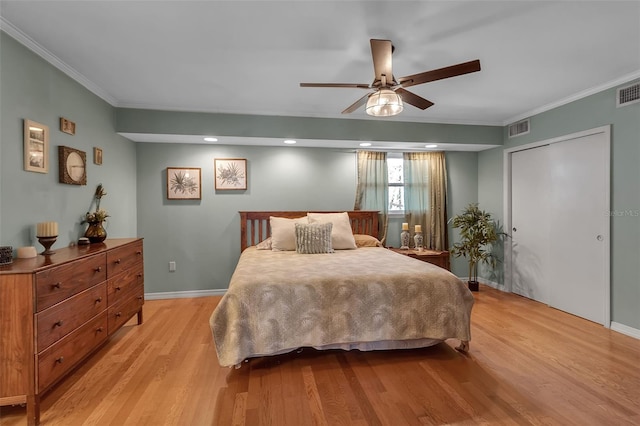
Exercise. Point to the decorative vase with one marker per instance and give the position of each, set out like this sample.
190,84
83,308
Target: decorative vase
404,240
96,232
418,240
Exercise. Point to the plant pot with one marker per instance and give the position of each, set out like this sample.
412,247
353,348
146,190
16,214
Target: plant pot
473,285
96,233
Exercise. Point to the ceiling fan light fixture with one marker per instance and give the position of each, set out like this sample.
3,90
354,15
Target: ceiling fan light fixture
384,103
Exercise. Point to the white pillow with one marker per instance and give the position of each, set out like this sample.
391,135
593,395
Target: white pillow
264,245
342,235
283,232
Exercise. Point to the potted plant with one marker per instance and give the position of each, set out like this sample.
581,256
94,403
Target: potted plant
477,233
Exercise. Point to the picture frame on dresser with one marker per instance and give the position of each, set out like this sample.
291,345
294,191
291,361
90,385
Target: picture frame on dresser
36,147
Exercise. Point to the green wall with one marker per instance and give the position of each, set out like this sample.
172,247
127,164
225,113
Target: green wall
202,236
587,113
33,89
194,123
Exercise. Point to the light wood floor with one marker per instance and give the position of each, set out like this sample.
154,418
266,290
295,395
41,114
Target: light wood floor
528,364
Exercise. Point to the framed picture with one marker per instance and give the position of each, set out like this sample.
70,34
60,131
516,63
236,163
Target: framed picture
36,147
67,126
230,173
97,156
184,183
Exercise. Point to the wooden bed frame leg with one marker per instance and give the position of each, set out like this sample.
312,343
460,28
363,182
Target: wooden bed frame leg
463,347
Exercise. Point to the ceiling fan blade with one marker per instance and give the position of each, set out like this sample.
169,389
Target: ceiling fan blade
357,104
413,99
339,85
382,64
440,73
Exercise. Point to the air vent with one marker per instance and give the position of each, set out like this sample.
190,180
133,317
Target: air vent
519,128
628,95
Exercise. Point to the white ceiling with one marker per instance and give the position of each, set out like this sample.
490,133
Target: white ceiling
249,57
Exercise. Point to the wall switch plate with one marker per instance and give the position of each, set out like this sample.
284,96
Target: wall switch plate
172,266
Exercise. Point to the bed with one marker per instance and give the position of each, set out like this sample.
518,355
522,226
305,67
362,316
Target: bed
367,298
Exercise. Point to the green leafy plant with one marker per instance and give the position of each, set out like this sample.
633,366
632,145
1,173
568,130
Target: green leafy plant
477,233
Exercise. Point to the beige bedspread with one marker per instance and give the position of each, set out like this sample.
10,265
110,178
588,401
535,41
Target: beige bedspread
281,301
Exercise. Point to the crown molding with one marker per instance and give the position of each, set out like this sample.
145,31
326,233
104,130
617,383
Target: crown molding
577,96
39,50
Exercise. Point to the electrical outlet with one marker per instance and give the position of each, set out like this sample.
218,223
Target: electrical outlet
172,266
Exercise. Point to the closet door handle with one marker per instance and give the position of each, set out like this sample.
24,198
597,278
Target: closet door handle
515,229
599,238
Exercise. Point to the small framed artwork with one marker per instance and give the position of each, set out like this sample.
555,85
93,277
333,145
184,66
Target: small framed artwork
97,156
230,173
184,183
36,147
67,126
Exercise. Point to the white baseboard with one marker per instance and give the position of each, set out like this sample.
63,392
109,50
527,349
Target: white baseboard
184,294
625,329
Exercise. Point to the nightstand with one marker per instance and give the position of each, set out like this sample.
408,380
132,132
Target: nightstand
438,258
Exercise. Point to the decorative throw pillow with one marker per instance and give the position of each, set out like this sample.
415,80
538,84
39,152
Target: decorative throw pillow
313,238
342,235
264,245
283,232
363,240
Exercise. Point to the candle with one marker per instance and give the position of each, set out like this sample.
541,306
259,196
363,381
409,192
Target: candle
26,252
418,228
405,226
47,229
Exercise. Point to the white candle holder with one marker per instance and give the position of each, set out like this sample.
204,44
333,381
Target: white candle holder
404,240
418,241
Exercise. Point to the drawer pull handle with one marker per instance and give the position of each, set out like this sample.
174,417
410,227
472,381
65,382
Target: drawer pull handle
98,269
56,285
139,297
60,360
118,288
139,252
99,299
118,314
117,261
99,330
58,323
140,275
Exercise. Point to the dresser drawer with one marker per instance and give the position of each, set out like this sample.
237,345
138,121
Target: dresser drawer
123,258
61,282
67,352
59,320
123,311
125,283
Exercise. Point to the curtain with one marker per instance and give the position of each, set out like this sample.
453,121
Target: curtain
372,190
425,196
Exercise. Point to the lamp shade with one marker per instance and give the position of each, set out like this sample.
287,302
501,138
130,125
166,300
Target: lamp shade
384,103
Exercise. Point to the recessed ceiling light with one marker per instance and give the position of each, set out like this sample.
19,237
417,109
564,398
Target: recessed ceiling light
365,144
431,145
210,139
290,142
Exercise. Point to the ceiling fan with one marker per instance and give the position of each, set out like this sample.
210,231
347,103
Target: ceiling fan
389,92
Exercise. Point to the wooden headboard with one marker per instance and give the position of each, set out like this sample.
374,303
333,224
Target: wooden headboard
255,226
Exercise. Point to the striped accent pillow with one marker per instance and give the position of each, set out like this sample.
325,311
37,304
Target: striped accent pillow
313,238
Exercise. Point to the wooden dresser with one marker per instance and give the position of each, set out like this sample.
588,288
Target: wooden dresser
56,310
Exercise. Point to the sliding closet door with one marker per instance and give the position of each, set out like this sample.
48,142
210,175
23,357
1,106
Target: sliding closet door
560,251
530,223
579,264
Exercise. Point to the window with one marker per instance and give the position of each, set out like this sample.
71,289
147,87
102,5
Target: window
395,171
